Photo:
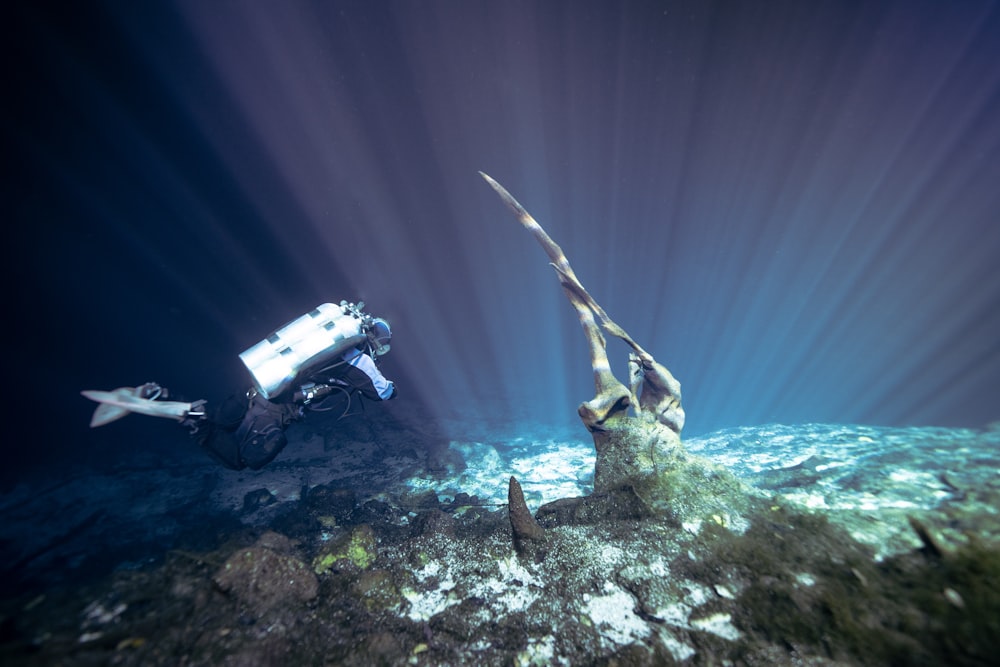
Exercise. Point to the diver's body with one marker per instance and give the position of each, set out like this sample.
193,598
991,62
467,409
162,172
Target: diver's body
323,351
248,431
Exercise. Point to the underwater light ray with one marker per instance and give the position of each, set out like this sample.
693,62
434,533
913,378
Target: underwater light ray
788,268
794,204
267,260
821,281
524,319
933,355
921,394
497,372
399,254
160,211
764,173
757,224
889,232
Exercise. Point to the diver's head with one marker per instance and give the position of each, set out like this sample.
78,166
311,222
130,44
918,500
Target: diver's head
380,334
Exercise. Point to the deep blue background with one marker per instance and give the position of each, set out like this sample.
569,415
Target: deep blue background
793,205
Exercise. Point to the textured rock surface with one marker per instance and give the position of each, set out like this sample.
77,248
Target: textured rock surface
634,451
769,584
266,575
630,452
522,523
355,550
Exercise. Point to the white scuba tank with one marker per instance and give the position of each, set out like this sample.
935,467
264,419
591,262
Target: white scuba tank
305,343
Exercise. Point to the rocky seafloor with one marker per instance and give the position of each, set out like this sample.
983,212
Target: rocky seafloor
786,545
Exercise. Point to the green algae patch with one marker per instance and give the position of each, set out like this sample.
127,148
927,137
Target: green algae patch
356,549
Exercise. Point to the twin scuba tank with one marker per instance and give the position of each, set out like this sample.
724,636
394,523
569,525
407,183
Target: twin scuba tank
309,343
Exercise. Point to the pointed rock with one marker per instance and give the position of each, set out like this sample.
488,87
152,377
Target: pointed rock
521,522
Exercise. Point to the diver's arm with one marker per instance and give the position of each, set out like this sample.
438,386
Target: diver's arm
365,375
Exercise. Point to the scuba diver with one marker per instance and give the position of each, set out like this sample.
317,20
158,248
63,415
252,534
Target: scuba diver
332,348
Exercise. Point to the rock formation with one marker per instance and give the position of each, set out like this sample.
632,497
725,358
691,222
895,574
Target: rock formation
633,450
523,526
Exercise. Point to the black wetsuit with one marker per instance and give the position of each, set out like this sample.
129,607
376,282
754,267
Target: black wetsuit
248,432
